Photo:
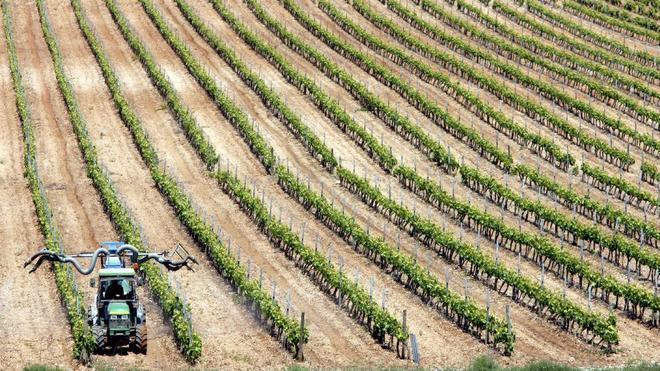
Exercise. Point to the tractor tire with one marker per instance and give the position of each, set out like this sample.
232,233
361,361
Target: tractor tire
99,337
141,339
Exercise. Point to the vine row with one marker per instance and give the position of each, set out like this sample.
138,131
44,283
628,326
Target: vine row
272,100
404,269
558,55
378,321
472,259
556,223
533,110
541,249
620,188
345,292
396,170
585,33
644,8
390,116
605,214
622,14
612,23
650,173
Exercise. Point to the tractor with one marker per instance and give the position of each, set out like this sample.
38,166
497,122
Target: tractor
116,317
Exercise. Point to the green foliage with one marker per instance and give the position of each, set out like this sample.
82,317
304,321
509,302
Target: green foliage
534,45
233,114
544,147
354,234
483,363
650,173
42,368
269,97
469,100
424,104
393,260
636,9
586,33
381,322
182,115
482,264
83,341
638,296
611,216
607,182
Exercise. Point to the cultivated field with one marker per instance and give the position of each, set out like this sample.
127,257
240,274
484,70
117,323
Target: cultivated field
426,180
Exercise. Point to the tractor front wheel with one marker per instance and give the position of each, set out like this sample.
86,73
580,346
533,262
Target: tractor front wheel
141,338
99,336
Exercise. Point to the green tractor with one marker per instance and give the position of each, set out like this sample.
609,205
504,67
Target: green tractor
116,316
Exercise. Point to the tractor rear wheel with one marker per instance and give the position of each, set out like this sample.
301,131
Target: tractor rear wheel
99,337
141,338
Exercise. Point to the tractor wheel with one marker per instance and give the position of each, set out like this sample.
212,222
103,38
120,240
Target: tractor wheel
99,336
141,338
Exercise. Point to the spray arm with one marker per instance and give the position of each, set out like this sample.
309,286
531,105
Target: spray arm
137,257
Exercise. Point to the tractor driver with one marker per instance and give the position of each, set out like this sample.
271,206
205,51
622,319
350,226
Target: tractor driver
119,289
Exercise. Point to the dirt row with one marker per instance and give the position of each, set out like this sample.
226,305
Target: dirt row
531,194
299,158
631,339
422,120
292,209
455,12
224,324
424,168
33,324
76,207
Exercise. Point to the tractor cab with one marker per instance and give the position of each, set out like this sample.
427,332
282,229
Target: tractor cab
117,307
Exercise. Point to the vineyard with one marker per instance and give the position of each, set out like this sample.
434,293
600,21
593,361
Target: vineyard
363,182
